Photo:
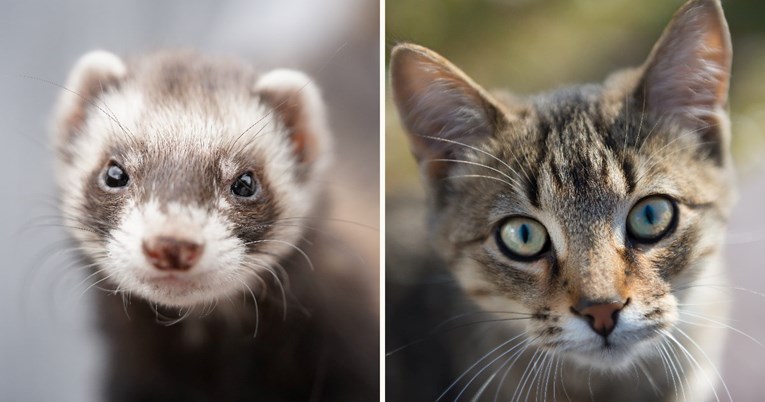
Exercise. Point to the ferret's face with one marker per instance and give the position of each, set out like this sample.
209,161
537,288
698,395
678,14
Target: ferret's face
186,181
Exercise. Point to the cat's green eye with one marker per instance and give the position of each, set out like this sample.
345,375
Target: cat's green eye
522,238
651,218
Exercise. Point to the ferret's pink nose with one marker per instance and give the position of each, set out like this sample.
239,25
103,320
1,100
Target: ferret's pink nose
171,254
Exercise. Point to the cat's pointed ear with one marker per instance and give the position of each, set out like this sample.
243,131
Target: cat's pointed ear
440,107
297,103
687,75
93,74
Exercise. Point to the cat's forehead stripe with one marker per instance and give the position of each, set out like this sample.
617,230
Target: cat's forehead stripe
630,178
578,159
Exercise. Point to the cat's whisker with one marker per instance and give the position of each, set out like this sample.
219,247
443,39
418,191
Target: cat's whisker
633,366
562,368
439,329
640,126
555,378
669,367
710,361
679,365
521,380
512,360
528,163
491,378
665,366
486,383
533,376
626,107
645,140
723,287
684,135
547,377
714,303
647,166
542,368
697,365
524,377
485,356
677,368
718,325
648,377
512,179
465,176
490,155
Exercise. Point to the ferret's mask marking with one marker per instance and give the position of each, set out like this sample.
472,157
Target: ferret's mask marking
220,166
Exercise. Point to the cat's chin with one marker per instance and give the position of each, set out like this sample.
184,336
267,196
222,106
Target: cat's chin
615,357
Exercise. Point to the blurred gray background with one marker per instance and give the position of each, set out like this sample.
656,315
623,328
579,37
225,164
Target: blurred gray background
49,346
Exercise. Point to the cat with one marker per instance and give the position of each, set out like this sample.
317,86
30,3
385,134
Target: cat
579,226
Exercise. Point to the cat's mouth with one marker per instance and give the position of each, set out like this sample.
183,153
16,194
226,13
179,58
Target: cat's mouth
614,353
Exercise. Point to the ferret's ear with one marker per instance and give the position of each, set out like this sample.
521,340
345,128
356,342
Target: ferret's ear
297,102
95,73
442,109
687,75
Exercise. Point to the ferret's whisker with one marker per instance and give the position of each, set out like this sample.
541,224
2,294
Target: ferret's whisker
286,243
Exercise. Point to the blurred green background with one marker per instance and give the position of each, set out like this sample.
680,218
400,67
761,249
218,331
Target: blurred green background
532,45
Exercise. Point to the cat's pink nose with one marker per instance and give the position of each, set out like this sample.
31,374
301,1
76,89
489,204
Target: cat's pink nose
172,254
602,316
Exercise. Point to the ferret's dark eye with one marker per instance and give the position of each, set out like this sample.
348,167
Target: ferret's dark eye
115,177
245,186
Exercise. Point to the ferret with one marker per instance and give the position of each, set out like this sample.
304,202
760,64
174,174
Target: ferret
192,186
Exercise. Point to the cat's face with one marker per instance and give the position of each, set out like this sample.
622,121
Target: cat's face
589,208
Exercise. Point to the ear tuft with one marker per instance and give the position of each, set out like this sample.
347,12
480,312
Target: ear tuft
93,74
297,102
